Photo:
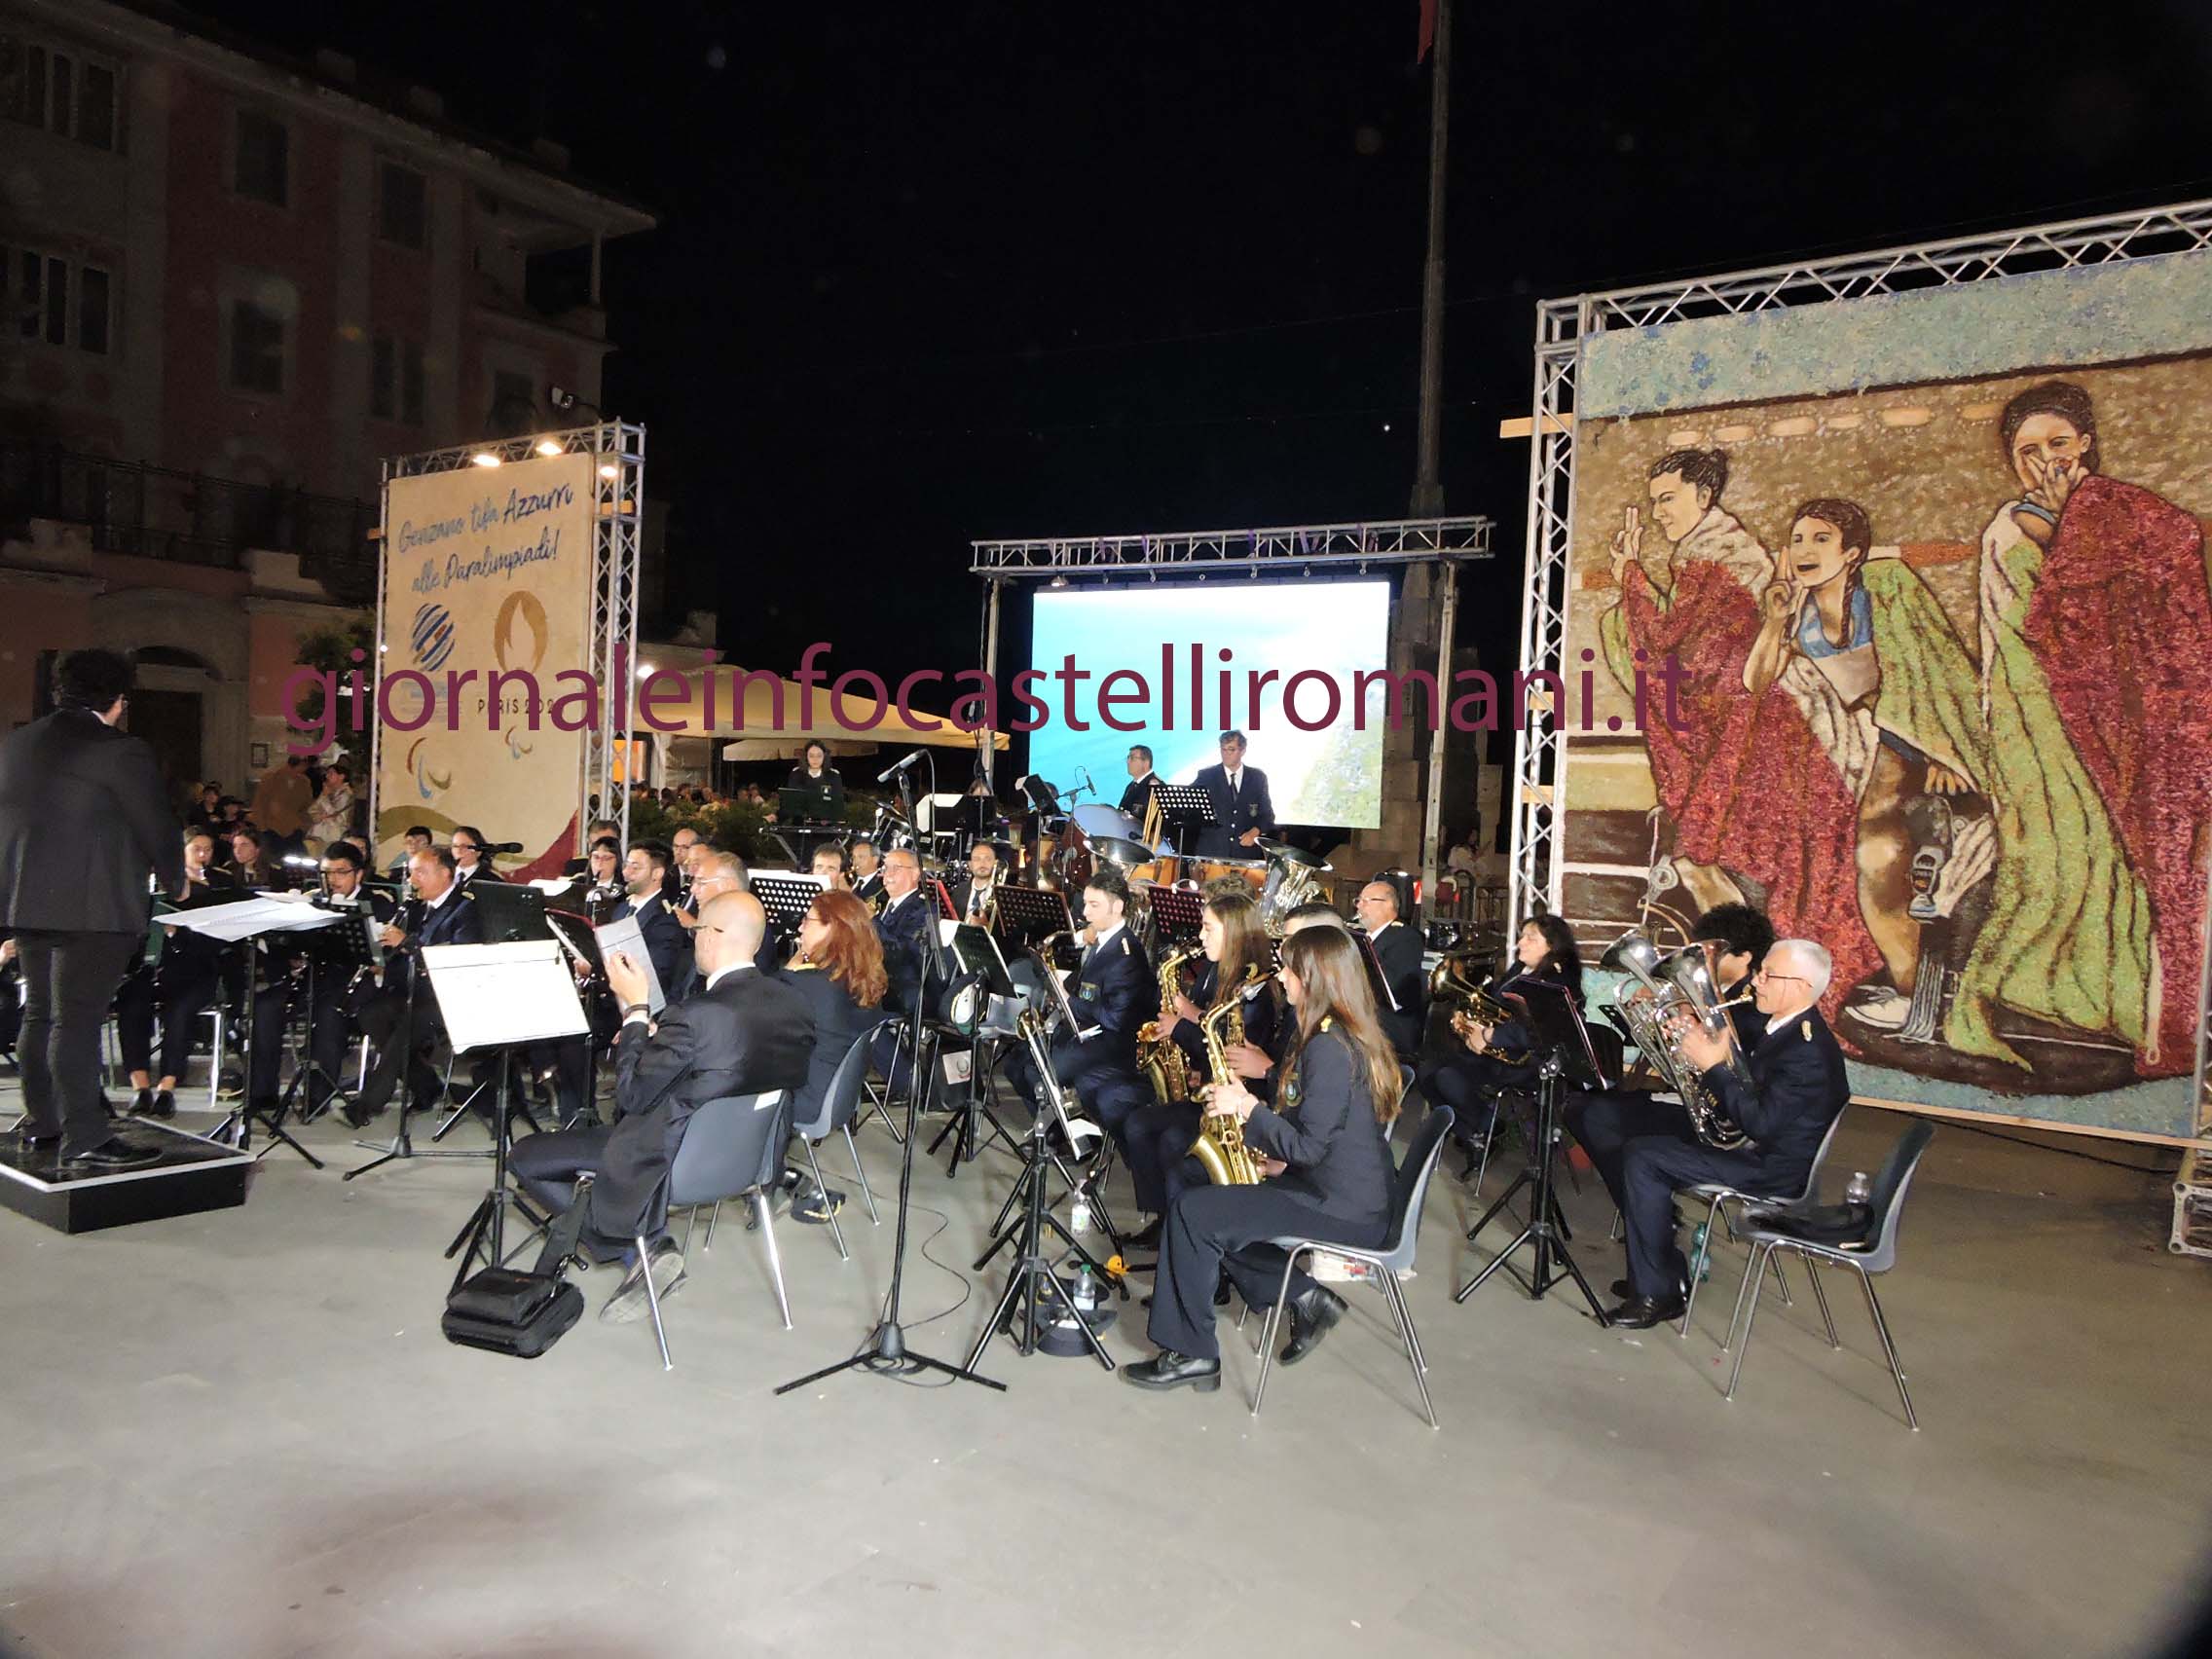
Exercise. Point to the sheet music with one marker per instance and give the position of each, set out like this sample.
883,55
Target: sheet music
624,935
244,918
494,994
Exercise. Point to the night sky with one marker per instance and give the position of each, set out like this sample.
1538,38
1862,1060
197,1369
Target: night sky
932,272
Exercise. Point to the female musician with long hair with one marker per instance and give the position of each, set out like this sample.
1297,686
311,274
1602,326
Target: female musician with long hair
1159,1135
1497,1058
840,971
823,784
1326,1154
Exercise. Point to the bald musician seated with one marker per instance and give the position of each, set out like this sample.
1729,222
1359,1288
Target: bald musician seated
743,1032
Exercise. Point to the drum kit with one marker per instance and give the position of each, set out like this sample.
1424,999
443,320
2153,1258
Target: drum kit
1282,878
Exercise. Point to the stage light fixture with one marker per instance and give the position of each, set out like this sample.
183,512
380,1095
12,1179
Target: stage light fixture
607,469
1060,580
548,446
483,458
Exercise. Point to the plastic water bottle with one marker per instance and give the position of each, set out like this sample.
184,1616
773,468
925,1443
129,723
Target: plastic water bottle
1078,1216
1861,1190
1697,1245
1085,1290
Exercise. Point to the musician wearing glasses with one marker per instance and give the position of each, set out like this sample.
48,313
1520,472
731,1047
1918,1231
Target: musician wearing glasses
1136,799
1397,950
337,995
867,873
1496,1058
1796,1087
1325,1165
1112,992
468,861
1242,812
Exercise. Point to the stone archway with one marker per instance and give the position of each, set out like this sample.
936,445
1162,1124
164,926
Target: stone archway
188,642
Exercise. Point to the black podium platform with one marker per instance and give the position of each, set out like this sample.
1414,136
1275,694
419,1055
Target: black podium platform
194,1174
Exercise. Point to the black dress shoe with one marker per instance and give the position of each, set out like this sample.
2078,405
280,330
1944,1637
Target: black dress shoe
1313,1317
1146,1239
1171,1369
163,1105
1641,1312
113,1153
142,1104
30,1138
1622,1290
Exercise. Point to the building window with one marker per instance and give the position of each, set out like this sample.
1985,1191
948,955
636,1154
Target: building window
261,164
60,91
257,348
395,380
514,404
403,206
55,300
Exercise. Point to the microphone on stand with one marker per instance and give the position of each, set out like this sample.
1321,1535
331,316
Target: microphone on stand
885,777
502,847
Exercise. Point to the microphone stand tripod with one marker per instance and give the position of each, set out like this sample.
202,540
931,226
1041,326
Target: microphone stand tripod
886,1349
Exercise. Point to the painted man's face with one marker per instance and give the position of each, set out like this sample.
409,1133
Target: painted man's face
1676,504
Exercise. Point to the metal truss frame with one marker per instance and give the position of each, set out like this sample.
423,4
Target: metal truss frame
1539,800
1249,552
618,493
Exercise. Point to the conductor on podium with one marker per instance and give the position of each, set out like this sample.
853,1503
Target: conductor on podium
83,822
1242,810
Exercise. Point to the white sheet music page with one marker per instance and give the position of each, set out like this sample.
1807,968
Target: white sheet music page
244,918
624,935
494,994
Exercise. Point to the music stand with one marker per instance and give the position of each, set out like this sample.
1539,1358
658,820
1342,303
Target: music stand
1563,1048
1187,812
1030,915
971,961
786,898
511,911
346,951
500,996
1177,913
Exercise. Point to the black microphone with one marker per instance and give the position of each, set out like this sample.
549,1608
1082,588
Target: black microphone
886,777
501,847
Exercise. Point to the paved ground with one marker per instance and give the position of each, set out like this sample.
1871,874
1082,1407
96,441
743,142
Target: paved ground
239,1434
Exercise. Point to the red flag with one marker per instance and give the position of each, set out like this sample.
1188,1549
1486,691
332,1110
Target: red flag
1427,30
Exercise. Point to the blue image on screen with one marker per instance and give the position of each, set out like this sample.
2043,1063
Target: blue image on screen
1332,775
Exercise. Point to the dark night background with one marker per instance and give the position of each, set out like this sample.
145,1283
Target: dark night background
932,272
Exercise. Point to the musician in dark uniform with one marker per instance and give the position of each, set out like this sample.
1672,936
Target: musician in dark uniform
600,828
1798,1084
84,818
824,785
336,993
840,971
1113,993
1237,964
1497,1058
745,1032
468,861
440,913
176,993
972,897
644,874
866,877
1136,799
903,925
1604,1124
1397,947
1326,1163
1242,810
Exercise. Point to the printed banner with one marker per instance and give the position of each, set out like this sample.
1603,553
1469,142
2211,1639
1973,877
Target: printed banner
486,603
1945,634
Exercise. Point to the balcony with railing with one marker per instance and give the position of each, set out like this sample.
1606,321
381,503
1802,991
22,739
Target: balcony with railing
155,512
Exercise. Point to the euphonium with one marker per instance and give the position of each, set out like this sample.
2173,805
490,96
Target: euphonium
1163,1064
1220,1146
1680,982
1452,981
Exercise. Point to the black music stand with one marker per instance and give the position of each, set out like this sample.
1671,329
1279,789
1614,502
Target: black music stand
786,898
1177,913
511,911
972,958
1185,811
1562,1047
1031,916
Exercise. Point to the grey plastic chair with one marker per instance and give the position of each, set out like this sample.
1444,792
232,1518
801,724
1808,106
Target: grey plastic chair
1878,1254
840,1106
1718,1194
1409,1193
732,1147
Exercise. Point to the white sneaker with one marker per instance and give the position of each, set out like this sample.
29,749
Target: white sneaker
629,1302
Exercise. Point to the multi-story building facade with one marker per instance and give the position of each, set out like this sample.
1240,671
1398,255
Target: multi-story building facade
229,283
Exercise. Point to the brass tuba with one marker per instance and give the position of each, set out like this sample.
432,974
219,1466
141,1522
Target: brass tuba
1159,1059
1220,1146
1680,982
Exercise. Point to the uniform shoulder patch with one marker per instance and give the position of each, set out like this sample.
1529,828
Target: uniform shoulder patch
1124,944
1805,1030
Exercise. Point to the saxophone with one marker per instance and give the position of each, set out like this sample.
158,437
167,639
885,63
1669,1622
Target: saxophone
1220,1146
1162,1064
